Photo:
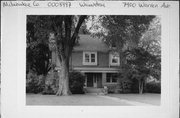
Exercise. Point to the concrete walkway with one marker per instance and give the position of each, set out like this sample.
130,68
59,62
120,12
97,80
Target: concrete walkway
89,100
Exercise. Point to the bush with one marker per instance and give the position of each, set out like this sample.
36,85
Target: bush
34,83
111,88
135,86
51,84
126,86
76,82
153,87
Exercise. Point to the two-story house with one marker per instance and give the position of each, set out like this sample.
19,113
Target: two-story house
93,58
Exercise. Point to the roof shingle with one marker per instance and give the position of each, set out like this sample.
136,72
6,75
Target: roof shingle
89,43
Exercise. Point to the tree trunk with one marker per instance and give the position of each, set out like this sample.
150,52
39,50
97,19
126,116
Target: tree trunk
64,79
141,86
121,62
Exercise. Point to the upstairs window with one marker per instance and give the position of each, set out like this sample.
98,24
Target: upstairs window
89,58
114,59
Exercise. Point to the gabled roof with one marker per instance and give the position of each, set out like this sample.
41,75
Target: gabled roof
89,43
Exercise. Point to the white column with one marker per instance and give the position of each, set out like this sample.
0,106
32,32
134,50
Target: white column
103,79
85,83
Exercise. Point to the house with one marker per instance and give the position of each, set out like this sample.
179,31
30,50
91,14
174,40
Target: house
96,61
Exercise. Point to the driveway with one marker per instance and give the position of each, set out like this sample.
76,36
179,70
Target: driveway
90,100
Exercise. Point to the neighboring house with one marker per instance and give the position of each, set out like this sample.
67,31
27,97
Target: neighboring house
96,61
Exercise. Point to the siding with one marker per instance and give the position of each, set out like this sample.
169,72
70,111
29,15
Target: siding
103,59
77,59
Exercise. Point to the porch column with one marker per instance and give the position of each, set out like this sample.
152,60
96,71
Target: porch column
85,83
103,79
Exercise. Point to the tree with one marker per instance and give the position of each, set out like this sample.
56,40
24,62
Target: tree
141,65
122,32
62,32
151,39
151,42
145,60
37,51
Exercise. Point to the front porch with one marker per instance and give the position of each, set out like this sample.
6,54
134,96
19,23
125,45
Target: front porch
96,82
93,80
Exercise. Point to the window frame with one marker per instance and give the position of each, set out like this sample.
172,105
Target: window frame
90,61
111,58
111,78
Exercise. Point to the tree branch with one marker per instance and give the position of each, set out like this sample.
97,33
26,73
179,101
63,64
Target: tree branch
75,34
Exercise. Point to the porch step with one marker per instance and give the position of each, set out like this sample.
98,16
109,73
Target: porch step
93,90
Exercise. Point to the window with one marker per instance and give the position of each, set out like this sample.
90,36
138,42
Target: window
93,58
114,59
111,77
89,58
86,58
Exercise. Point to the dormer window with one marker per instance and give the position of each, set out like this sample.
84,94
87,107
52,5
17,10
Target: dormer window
89,58
114,59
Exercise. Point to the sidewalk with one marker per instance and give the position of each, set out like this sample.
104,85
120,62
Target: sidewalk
146,98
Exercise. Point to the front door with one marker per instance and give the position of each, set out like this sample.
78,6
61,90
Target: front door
89,77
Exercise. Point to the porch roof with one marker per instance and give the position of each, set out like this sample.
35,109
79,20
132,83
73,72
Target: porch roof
97,70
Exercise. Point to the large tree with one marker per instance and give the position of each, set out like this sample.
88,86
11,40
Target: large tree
151,42
62,32
142,64
122,32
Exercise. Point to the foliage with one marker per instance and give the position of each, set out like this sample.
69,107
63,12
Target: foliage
38,59
51,83
125,78
111,88
153,87
34,83
151,39
135,86
76,81
37,50
60,33
122,31
143,64
151,42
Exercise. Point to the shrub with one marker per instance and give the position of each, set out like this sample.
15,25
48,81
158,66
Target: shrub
34,83
51,84
153,87
135,86
126,86
111,88
76,82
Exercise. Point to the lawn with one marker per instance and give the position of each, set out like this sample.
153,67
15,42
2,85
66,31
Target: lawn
94,100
